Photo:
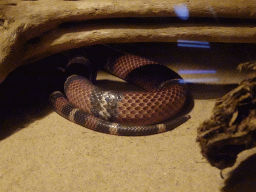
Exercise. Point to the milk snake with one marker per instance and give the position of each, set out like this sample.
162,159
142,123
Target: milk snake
128,113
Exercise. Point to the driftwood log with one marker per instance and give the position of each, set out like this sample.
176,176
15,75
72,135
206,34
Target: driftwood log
32,30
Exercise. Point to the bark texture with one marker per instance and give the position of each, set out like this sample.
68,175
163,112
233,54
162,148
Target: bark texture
232,127
31,30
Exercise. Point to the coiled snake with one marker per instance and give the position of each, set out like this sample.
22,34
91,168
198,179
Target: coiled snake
129,112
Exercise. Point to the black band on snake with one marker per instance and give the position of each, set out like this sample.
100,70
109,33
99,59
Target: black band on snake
129,113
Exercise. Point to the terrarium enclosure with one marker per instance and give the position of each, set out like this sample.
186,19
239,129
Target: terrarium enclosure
206,42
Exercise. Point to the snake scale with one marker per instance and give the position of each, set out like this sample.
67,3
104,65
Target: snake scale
127,113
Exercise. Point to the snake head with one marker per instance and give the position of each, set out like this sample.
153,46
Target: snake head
80,65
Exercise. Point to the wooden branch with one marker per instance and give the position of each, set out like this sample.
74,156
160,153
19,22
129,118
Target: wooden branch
31,30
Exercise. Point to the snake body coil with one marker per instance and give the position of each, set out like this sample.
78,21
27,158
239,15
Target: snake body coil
128,112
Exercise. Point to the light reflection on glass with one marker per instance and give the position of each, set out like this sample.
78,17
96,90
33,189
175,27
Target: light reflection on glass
195,44
201,80
182,81
181,11
197,71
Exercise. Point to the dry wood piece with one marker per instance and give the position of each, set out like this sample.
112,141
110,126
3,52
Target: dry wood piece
232,127
32,30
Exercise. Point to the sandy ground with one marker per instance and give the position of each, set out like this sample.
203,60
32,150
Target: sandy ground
41,151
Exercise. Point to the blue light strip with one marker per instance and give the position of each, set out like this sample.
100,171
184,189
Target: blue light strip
201,80
197,71
195,44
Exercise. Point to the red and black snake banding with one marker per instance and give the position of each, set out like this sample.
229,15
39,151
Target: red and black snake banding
129,113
